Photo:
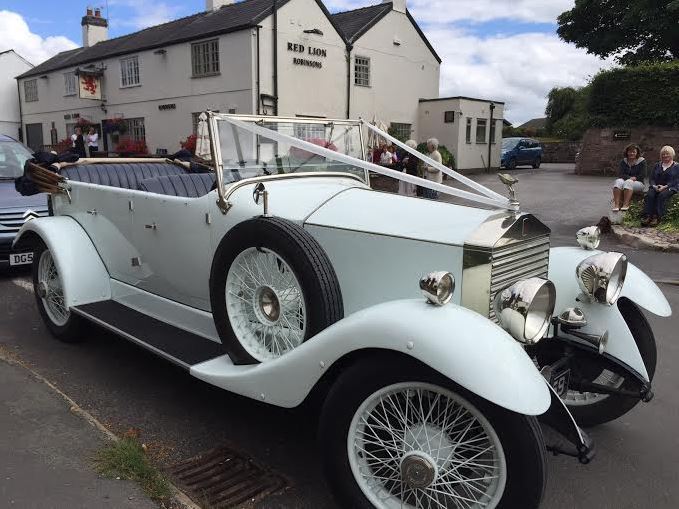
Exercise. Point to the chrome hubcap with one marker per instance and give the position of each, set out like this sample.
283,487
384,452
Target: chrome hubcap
267,304
418,470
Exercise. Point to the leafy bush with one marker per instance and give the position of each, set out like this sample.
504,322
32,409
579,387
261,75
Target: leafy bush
447,158
670,222
644,95
128,146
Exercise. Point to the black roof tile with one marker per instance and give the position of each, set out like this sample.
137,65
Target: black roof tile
228,18
354,24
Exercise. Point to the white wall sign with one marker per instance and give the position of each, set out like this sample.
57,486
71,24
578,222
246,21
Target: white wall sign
89,86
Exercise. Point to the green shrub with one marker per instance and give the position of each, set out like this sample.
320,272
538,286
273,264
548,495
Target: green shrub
670,222
631,96
447,158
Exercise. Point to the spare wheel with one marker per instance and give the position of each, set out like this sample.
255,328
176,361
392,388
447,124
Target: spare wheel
272,287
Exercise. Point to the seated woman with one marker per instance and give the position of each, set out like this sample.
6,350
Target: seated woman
630,180
664,184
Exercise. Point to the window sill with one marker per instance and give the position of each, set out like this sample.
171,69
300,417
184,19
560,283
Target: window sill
70,95
363,86
131,86
482,143
212,74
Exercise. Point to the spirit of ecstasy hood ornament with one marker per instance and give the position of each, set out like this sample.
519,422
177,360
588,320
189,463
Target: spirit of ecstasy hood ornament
510,181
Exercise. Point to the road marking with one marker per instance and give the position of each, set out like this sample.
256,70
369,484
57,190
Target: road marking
25,285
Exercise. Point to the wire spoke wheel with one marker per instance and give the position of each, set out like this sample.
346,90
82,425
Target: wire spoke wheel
418,445
265,304
50,290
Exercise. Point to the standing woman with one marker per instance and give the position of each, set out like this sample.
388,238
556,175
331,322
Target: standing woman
431,173
92,141
631,175
409,164
664,184
79,142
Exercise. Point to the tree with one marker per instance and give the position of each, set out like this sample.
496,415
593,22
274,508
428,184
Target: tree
567,115
633,31
560,102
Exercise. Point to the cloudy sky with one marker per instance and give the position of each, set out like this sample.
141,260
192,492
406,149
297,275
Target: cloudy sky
505,50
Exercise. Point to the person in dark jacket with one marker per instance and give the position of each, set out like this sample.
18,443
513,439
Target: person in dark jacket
79,142
664,184
631,175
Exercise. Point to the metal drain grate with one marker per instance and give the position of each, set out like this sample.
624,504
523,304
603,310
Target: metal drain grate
222,478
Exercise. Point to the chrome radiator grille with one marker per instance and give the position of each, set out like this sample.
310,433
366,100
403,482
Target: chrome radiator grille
517,261
12,221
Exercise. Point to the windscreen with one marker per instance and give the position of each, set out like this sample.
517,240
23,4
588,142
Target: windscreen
246,154
509,143
13,155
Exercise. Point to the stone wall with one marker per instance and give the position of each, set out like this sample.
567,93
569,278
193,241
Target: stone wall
602,149
559,151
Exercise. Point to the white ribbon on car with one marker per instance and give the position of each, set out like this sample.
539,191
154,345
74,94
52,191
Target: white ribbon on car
491,198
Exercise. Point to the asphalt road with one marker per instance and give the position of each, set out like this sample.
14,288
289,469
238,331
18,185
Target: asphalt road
125,387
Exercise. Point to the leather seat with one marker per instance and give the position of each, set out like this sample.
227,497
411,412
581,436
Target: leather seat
125,175
188,185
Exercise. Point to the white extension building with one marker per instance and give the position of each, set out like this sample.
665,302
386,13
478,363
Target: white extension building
11,65
268,57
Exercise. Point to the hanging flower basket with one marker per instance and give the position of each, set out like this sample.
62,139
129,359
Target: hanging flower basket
115,125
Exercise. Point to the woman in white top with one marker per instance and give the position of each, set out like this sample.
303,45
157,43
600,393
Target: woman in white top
92,141
431,173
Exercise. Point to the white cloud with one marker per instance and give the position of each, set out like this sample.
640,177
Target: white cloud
140,15
519,70
447,11
15,34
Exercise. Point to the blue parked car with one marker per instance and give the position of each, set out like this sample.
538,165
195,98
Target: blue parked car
520,151
15,209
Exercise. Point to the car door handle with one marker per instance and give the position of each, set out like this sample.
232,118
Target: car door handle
152,226
92,212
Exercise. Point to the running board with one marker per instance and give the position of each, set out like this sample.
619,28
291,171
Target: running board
176,345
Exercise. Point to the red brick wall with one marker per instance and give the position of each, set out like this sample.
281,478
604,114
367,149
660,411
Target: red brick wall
601,152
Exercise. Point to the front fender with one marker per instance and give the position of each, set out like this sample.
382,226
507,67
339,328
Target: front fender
458,343
83,275
638,287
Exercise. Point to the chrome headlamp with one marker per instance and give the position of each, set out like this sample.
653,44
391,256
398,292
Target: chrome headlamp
602,276
525,309
438,287
589,238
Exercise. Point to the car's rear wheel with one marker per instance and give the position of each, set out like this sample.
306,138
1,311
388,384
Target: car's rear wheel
49,295
398,435
272,287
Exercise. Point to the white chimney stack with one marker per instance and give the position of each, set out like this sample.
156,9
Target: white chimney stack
95,28
213,5
398,5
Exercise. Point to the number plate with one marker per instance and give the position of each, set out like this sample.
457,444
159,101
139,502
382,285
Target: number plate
559,382
20,258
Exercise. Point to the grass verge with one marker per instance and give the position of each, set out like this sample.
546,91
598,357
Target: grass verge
670,223
126,459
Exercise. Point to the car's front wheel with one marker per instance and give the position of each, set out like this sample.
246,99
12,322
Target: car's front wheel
395,434
49,295
511,164
537,163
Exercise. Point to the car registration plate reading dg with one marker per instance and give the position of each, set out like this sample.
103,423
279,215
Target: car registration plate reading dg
20,258
559,382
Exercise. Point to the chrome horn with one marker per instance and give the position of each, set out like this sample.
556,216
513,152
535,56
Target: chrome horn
597,341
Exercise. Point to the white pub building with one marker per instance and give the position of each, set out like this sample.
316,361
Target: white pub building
264,57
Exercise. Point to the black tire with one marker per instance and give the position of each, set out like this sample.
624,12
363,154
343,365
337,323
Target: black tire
511,165
520,436
537,163
303,254
69,332
613,407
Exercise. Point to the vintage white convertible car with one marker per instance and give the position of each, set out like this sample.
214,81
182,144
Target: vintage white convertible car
282,274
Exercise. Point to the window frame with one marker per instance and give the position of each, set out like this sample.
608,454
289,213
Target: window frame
447,119
134,127
482,122
362,79
208,59
124,70
493,131
74,91
468,131
33,97
399,128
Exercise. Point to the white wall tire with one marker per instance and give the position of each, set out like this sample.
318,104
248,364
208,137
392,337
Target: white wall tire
272,287
49,295
481,456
